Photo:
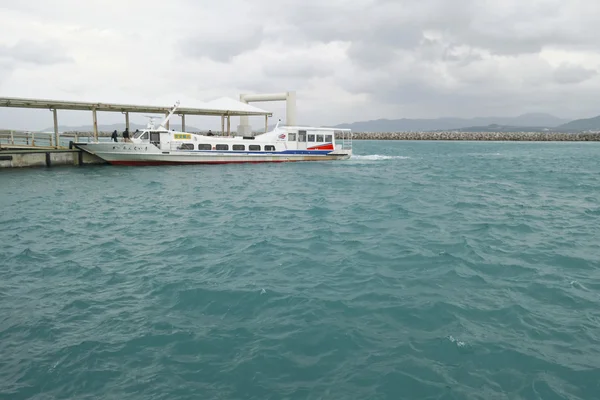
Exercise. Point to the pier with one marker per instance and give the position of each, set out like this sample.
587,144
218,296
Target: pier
223,107
33,149
46,158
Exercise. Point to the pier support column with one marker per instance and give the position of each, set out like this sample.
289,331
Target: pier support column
95,125
127,121
229,125
167,126
222,125
182,122
56,136
244,127
266,123
290,109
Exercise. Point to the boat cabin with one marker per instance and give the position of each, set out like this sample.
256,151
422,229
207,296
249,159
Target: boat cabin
287,138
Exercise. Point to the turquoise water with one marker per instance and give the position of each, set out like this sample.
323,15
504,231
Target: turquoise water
421,270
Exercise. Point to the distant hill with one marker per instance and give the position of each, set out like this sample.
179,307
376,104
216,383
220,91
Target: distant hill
109,128
506,128
437,124
587,124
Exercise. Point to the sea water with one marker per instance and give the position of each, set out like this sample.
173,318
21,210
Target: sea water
417,270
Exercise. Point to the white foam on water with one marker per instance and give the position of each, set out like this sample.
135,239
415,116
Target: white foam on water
377,157
578,285
484,154
458,342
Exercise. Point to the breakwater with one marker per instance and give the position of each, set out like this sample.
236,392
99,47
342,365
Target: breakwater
481,136
451,135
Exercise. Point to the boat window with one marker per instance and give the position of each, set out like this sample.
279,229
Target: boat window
222,147
292,137
302,136
254,147
311,138
154,137
239,147
138,134
145,136
186,146
319,138
204,146
329,138
269,148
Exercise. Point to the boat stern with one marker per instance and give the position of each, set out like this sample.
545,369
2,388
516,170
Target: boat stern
341,154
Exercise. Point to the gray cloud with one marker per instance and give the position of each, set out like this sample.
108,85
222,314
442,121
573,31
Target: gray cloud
6,69
353,59
505,28
303,70
572,74
460,55
223,46
35,53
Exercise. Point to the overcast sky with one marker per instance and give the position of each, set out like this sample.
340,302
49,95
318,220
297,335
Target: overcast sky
348,60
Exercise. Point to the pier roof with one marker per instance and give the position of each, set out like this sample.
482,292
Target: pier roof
218,107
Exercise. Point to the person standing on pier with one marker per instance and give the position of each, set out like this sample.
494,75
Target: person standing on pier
126,135
114,136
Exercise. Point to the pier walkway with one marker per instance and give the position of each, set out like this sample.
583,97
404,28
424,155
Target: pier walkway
223,107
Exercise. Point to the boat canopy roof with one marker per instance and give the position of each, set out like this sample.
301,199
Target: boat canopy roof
220,106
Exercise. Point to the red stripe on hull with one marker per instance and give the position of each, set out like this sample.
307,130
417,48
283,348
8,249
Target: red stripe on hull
328,146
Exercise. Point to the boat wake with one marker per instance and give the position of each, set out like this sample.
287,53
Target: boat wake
377,157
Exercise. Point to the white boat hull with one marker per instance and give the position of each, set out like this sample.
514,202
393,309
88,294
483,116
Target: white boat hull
155,146
146,154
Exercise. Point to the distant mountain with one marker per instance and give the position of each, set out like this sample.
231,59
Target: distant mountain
405,124
506,128
587,124
535,119
109,128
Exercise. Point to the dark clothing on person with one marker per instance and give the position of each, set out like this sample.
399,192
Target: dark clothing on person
114,136
126,135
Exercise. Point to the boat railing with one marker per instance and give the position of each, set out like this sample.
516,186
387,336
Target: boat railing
42,140
343,140
18,139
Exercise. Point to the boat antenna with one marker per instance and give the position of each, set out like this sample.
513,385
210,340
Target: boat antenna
150,124
277,125
164,122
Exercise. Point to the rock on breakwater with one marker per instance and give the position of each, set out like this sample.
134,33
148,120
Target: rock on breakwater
481,136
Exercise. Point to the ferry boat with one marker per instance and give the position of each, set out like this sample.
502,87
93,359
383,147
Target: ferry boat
157,146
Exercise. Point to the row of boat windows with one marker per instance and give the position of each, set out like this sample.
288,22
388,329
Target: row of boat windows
225,147
302,136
